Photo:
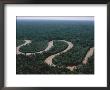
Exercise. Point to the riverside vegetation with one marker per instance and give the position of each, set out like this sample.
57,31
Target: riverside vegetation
40,32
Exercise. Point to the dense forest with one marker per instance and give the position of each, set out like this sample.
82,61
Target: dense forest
19,42
69,58
34,46
33,65
80,33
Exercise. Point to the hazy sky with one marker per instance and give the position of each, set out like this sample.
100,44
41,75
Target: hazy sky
56,18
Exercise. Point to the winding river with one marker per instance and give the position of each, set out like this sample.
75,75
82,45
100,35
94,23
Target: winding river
85,60
18,48
49,59
50,45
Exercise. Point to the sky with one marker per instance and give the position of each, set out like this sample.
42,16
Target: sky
90,18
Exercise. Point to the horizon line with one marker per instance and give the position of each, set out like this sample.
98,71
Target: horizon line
54,20
90,18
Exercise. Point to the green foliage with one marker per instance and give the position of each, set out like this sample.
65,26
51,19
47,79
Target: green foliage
55,30
34,46
58,46
73,57
86,68
33,65
80,33
19,42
